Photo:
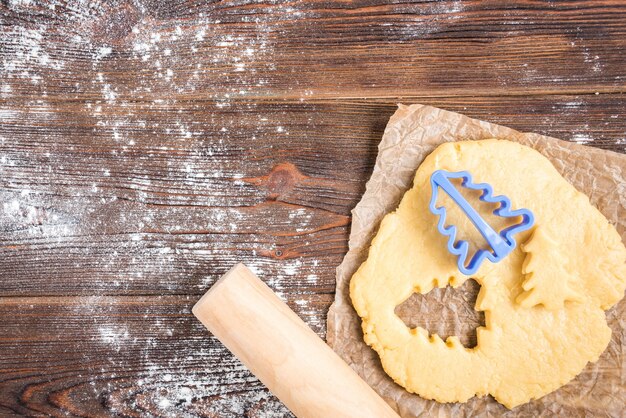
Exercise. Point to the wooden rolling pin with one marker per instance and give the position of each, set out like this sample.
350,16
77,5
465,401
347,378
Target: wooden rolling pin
283,352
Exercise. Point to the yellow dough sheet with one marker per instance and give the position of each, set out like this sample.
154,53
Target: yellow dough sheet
543,304
539,333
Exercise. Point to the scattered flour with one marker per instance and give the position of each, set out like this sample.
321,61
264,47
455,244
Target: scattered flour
188,155
103,52
27,55
117,336
166,378
581,138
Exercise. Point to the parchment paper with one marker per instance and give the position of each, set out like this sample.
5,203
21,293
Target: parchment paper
411,134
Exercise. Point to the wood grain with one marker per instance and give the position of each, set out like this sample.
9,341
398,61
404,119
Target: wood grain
102,355
318,48
147,146
102,211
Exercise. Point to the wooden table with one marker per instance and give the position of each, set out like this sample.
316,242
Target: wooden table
147,146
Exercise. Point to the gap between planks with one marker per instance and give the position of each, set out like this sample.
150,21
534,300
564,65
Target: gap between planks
330,98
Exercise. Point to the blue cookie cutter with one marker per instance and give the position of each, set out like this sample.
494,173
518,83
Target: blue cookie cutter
501,243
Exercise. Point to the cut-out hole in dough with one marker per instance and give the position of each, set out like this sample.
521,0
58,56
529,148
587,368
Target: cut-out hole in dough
456,312
456,217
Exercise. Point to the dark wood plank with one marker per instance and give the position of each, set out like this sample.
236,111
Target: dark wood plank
128,203
149,50
102,356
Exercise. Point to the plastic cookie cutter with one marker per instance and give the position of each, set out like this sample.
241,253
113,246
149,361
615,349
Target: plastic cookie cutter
501,243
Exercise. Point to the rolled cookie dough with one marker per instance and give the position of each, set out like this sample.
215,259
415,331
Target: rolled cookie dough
544,303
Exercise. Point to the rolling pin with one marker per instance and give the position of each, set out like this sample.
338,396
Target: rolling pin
283,352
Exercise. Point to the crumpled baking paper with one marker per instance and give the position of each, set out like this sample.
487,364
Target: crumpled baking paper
411,134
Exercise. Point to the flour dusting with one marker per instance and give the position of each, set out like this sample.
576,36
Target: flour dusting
130,122
144,199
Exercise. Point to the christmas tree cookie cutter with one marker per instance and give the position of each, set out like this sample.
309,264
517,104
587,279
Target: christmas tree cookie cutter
501,243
